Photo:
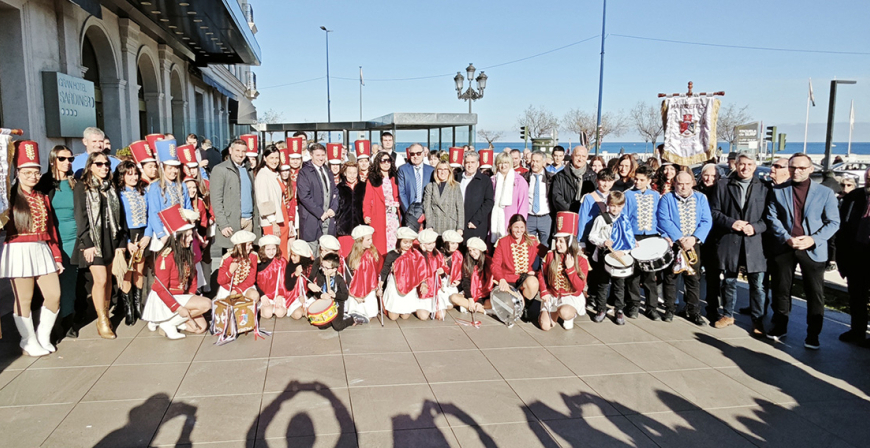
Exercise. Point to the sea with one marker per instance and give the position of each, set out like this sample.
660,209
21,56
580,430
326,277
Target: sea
839,148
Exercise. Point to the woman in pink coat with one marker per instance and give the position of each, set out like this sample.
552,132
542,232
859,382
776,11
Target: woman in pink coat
511,196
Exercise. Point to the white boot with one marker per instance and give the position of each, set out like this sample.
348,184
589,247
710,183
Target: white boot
152,326
568,324
170,327
29,343
43,333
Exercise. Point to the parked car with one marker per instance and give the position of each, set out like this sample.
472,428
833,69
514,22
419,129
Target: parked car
851,169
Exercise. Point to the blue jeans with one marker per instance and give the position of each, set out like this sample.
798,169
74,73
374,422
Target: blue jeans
756,293
540,226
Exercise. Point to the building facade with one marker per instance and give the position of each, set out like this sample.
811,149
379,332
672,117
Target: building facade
154,66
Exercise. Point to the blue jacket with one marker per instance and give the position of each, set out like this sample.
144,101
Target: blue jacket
631,208
589,209
821,218
668,216
408,184
157,202
135,208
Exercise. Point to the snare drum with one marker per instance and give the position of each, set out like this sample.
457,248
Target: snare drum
617,268
507,306
653,254
322,312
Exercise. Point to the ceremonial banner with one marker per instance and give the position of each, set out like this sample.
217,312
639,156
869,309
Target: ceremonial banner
690,129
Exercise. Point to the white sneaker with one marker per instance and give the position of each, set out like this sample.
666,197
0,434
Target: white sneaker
568,324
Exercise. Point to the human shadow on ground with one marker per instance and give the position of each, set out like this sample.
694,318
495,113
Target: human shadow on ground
410,431
301,428
134,433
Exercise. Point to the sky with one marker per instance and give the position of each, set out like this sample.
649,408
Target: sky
396,41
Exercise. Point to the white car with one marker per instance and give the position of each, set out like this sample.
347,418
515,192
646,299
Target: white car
852,169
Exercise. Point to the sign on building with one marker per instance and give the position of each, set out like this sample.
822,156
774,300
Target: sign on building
70,106
747,138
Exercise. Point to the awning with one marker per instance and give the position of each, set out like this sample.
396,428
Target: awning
247,112
210,81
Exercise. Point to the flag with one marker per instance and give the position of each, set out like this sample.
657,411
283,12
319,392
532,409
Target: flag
361,82
812,98
690,129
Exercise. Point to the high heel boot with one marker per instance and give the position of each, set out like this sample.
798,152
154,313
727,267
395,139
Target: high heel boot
104,327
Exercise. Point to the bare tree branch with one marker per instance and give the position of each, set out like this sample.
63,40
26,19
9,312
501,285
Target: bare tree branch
730,117
270,116
580,122
647,121
489,136
537,121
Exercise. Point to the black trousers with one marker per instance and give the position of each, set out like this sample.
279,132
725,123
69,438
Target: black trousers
342,320
599,280
813,273
713,281
650,287
859,294
692,282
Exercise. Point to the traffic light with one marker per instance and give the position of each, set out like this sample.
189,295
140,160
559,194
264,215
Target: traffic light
523,135
771,134
781,142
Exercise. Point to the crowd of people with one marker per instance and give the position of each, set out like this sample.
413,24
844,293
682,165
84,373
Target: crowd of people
381,234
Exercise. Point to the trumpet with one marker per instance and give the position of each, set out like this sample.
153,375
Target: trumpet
685,260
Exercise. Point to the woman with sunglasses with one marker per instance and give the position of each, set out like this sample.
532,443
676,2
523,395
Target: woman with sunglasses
381,202
102,230
58,184
31,257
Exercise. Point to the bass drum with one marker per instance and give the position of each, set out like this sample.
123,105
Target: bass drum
653,254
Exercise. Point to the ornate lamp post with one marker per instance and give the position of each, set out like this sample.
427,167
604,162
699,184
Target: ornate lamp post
471,94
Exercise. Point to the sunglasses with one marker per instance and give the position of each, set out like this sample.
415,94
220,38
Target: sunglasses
778,166
415,154
387,161
100,164
64,159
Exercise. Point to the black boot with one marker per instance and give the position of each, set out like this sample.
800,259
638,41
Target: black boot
68,324
137,301
129,310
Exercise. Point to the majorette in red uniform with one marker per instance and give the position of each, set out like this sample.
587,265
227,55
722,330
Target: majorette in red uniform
29,254
514,257
271,273
400,293
202,224
564,293
429,268
363,287
173,303
238,270
452,269
476,284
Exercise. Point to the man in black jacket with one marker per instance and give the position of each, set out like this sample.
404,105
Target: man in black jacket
477,193
853,245
574,181
738,206
539,221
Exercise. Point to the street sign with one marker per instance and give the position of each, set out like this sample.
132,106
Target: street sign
747,138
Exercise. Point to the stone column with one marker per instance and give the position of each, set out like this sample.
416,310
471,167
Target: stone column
129,31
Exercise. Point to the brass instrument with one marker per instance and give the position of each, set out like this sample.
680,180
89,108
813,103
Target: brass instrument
135,258
690,257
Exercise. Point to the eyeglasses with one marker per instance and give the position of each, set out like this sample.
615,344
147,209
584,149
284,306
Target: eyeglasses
387,161
415,154
100,164
64,159
778,166
801,168
28,173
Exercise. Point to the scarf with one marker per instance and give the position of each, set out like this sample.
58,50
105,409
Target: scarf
578,174
504,197
96,189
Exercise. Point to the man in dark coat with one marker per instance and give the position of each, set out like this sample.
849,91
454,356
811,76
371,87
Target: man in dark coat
574,181
738,206
318,199
477,194
853,242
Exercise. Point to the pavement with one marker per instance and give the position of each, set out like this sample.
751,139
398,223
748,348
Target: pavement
434,384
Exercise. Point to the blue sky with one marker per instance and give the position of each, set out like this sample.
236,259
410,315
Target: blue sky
412,39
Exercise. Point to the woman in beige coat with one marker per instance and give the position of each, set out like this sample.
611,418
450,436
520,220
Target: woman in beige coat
442,201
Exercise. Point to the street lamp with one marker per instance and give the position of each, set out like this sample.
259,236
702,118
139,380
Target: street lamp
328,100
826,164
471,94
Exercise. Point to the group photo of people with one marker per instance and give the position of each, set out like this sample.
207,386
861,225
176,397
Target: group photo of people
192,239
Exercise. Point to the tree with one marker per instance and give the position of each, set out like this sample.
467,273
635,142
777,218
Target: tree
647,121
537,121
730,117
489,136
269,117
580,123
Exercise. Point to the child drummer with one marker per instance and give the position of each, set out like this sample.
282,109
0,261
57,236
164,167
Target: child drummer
329,285
611,233
642,202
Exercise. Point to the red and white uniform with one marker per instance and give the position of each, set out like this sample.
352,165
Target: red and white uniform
167,291
270,280
480,284
453,271
401,294
35,252
242,280
363,287
568,288
512,257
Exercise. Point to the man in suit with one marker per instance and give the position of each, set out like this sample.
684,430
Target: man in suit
232,196
413,177
853,241
574,181
802,216
388,146
738,205
539,221
318,198
477,194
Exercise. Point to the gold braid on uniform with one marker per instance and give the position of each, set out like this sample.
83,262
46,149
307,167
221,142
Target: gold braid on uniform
562,283
38,213
687,210
243,271
520,255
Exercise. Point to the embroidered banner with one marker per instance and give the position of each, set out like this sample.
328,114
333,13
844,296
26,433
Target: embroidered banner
690,129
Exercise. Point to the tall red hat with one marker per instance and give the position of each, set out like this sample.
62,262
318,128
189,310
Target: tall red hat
566,224
26,154
174,218
142,152
294,147
363,149
152,139
284,153
253,149
187,155
456,156
333,152
486,158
